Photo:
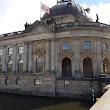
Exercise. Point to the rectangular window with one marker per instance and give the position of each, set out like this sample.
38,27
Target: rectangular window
0,67
39,65
105,46
1,51
37,81
20,49
66,45
66,82
6,81
87,45
10,50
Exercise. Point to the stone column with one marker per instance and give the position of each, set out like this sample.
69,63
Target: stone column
98,55
14,58
4,59
95,60
25,68
77,57
30,57
52,55
47,66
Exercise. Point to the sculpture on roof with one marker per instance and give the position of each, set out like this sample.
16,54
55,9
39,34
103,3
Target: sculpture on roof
97,18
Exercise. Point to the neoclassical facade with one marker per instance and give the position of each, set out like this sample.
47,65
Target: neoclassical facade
64,54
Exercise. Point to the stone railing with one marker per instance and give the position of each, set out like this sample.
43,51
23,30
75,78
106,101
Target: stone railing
88,24
11,34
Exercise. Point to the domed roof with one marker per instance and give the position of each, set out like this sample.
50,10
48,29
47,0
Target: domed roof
65,8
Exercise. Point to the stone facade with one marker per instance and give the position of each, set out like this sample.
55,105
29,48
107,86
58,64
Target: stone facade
63,59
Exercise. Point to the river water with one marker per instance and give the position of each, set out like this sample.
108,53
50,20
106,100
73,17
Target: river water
19,102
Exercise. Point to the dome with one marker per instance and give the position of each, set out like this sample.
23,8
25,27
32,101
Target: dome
65,8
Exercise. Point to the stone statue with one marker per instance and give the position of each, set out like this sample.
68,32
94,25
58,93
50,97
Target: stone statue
97,18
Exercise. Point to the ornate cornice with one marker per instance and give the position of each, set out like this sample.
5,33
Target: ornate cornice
40,52
82,28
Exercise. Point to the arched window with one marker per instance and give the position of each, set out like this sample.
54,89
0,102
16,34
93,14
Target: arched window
87,67
9,66
106,66
66,68
20,66
39,65
0,65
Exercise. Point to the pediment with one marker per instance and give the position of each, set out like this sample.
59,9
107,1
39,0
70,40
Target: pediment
38,26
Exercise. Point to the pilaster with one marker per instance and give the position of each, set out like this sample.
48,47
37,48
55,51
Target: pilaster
47,66
77,57
14,57
25,69
4,59
30,57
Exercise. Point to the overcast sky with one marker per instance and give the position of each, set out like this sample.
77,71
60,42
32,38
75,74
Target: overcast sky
15,13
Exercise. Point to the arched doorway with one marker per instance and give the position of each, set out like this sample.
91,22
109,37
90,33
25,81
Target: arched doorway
87,67
106,66
66,68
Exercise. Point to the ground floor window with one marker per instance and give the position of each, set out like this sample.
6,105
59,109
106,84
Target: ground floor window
20,66
9,66
39,65
0,67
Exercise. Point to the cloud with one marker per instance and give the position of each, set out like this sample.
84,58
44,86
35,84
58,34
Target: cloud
102,9
18,12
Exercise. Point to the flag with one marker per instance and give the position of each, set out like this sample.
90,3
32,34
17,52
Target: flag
45,8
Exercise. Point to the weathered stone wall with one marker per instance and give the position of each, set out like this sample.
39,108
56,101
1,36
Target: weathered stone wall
75,88
46,85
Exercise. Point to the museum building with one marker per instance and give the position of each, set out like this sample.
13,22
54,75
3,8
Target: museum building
64,54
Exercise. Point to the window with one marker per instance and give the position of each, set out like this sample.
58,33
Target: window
39,65
9,66
105,46
20,66
10,50
87,45
20,49
66,82
0,65
17,81
66,45
6,81
1,51
37,81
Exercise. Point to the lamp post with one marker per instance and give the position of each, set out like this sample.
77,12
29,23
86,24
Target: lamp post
92,91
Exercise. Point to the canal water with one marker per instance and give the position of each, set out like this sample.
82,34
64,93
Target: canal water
19,102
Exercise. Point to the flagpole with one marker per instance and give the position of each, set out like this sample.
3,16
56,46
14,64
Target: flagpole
40,10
